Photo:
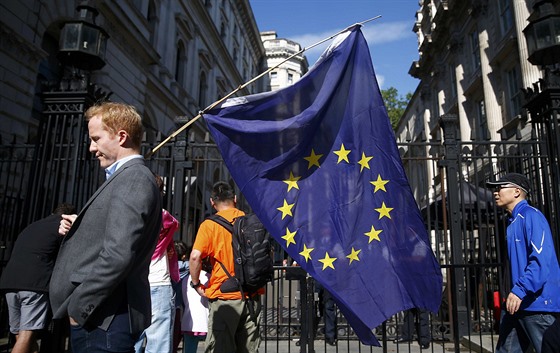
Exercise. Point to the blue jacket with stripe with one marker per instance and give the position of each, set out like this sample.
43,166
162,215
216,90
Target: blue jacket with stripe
534,266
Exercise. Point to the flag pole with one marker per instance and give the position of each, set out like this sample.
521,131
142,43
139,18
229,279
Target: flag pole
240,87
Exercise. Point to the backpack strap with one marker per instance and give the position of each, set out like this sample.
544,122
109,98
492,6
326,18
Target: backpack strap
222,221
227,225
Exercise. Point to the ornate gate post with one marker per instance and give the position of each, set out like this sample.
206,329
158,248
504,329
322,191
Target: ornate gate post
181,178
460,314
62,150
543,103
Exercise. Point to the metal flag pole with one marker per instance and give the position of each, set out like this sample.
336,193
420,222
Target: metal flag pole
240,87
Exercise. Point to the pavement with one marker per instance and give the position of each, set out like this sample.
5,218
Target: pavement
478,344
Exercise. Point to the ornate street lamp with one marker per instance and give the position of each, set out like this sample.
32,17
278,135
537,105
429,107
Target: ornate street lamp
543,34
543,99
82,42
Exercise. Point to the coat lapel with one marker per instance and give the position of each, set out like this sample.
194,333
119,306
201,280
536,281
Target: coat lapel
100,189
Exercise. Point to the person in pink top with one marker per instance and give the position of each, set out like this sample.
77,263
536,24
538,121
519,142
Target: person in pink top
164,270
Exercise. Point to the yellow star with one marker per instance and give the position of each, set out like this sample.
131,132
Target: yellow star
286,209
379,184
384,211
292,182
313,159
289,237
373,234
342,154
354,255
328,261
306,253
364,162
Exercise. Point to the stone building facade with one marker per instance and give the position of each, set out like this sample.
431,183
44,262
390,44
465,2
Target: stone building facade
283,53
472,63
168,58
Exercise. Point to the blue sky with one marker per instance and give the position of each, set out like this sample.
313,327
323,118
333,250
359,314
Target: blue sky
392,42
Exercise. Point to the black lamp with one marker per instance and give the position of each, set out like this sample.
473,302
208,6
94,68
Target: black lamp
543,34
82,42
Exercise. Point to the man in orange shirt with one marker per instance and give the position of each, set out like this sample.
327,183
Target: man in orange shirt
230,327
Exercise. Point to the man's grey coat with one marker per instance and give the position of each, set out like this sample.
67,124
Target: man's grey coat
104,260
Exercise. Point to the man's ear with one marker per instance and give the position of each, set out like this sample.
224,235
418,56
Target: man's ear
123,137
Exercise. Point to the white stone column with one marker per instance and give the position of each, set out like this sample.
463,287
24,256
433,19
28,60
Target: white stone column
493,111
464,125
529,72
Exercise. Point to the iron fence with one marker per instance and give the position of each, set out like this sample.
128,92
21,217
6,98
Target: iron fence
447,178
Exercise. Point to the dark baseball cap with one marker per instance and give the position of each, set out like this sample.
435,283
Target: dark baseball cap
512,178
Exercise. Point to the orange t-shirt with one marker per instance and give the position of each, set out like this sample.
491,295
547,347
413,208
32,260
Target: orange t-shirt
214,240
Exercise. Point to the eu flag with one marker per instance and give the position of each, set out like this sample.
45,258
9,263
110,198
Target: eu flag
318,163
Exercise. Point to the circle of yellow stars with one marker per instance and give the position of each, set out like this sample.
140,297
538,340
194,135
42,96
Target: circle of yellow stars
313,160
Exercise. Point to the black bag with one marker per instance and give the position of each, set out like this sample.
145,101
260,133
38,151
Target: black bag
252,254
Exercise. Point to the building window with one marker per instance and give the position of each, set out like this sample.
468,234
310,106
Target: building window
290,79
223,30
273,76
475,50
435,105
138,4
453,83
152,21
202,90
481,128
514,93
506,16
180,63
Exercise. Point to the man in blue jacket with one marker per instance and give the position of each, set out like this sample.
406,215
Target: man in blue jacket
534,298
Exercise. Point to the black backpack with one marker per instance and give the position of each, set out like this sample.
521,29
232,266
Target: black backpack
252,254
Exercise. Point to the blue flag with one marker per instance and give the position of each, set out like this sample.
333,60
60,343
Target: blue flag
318,164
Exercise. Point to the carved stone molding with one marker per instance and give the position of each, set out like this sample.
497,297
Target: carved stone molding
456,42
478,8
23,50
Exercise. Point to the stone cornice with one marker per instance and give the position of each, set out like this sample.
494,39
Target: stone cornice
14,44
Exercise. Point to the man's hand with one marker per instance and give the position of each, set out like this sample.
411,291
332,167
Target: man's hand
513,302
66,223
72,322
200,290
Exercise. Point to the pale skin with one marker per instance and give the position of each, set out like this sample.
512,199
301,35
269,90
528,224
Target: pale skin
195,260
26,342
108,147
507,197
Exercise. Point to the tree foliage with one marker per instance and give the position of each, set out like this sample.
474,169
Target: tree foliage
395,104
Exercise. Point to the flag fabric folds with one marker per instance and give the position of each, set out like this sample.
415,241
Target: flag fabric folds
318,164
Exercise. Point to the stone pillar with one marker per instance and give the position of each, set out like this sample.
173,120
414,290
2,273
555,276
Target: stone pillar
530,73
464,125
493,111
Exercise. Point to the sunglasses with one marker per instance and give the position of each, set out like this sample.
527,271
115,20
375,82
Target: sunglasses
506,186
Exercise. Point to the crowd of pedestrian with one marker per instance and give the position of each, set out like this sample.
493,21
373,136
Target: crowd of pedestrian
124,285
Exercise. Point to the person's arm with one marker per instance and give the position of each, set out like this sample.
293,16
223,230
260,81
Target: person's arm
168,227
195,266
541,251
